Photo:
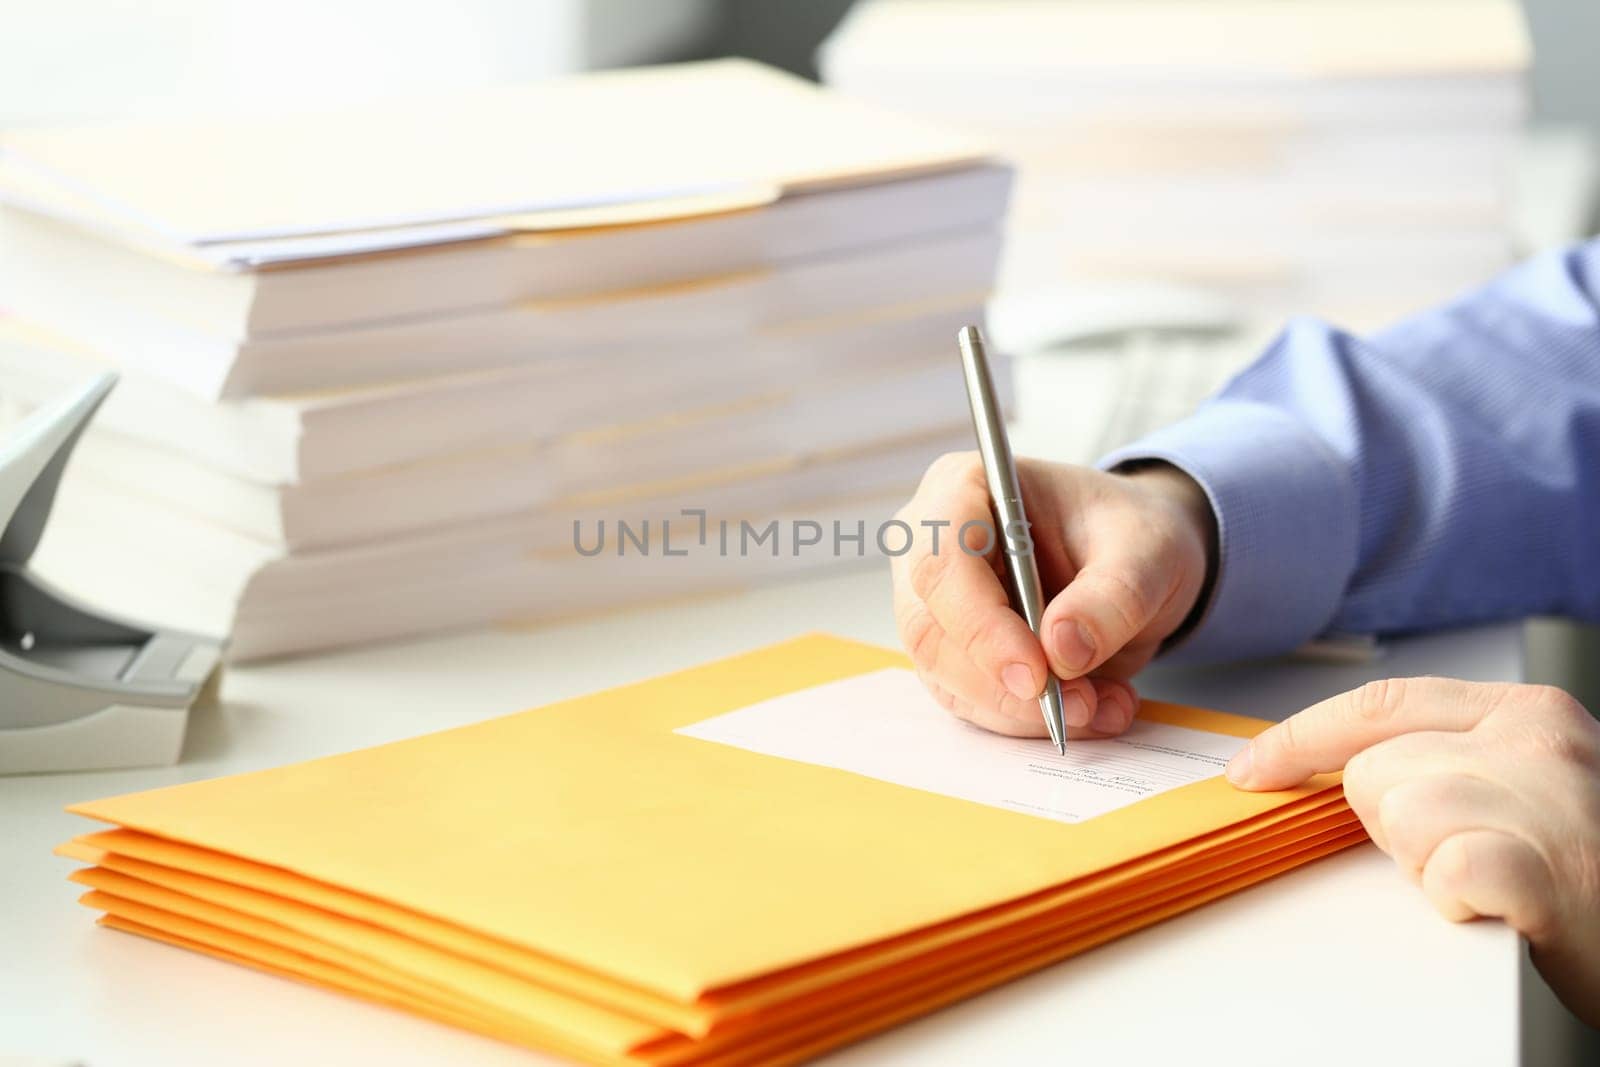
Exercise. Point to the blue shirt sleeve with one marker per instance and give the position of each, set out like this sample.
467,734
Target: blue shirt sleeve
1442,472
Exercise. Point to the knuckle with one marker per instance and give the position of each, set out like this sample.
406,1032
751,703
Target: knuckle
1558,727
1001,700
929,572
954,466
935,470
1537,913
974,645
1126,600
1560,707
1380,701
1287,736
1359,783
921,635
1562,746
1565,748
1396,815
1450,868
1532,908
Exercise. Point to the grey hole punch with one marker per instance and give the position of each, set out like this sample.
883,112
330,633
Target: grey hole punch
79,689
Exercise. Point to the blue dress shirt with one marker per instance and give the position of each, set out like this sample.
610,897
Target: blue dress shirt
1444,471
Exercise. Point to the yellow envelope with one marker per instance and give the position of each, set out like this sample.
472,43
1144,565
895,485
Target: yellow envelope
253,942
583,879
397,961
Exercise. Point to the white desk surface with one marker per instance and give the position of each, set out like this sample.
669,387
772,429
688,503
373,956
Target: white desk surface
1341,962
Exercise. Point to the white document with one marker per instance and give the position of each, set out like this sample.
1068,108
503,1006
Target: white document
884,725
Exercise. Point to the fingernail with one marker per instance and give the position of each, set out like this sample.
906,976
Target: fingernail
1074,646
1074,710
1019,679
1239,767
1107,717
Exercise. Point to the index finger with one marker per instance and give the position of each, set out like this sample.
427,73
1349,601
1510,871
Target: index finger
1325,736
960,588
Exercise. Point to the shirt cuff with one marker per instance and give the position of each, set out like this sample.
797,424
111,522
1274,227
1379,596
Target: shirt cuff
1286,526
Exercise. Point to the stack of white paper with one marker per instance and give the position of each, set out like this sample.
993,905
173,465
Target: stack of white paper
394,369
1349,159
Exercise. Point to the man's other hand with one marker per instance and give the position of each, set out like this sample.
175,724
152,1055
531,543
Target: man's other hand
1487,796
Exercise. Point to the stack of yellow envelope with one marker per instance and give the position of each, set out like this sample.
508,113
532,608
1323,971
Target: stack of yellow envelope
635,877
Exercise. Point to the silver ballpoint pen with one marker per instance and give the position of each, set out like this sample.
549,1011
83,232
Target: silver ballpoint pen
1005,495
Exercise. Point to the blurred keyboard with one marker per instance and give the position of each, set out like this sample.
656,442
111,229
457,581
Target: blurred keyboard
1079,400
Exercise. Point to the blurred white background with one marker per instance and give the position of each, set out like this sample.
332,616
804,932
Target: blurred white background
63,59
77,58
80,59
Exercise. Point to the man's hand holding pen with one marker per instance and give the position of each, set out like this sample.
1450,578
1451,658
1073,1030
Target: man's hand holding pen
1123,559
1486,795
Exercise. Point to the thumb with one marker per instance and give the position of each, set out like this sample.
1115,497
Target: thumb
1104,608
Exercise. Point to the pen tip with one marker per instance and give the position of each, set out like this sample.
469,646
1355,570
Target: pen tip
1061,747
